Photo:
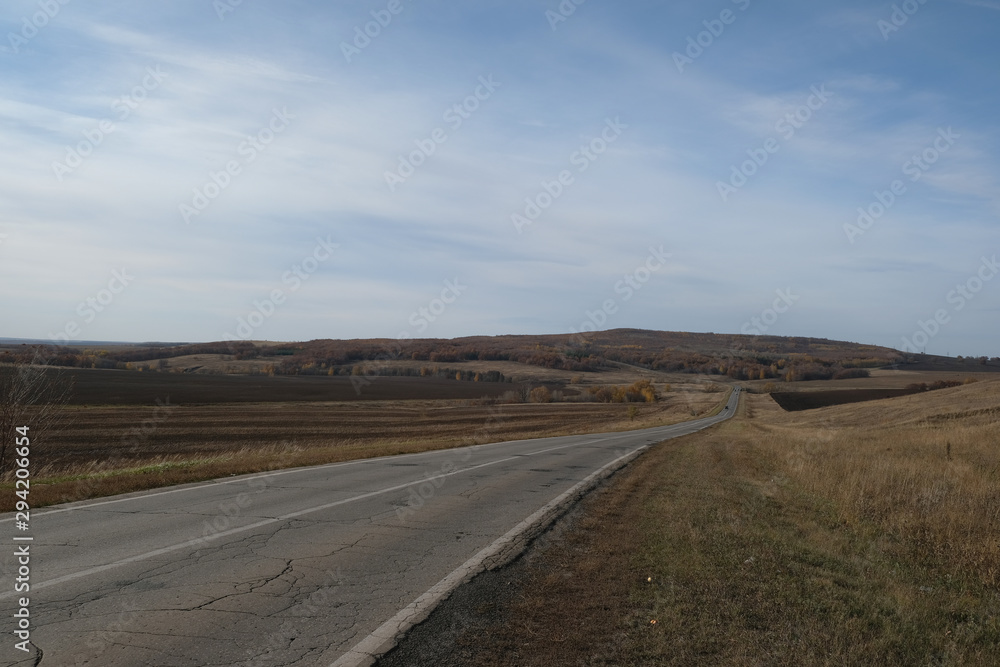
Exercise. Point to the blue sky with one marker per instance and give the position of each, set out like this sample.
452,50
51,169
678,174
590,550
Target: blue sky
114,119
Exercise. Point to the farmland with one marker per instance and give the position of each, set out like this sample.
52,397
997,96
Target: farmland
810,400
847,516
111,387
163,429
139,417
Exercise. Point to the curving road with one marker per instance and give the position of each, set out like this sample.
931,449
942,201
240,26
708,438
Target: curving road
312,566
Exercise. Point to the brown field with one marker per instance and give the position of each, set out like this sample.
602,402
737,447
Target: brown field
881,378
862,534
792,401
104,450
111,387
114,387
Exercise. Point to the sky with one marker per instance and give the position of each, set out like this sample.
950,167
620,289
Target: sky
204,170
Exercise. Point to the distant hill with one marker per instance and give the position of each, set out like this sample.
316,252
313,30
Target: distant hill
10,342
738,357
932,362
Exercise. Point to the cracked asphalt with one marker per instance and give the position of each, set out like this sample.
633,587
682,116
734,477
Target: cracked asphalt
295,567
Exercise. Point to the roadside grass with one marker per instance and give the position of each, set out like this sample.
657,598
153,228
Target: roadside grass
845,536
788,551
99,454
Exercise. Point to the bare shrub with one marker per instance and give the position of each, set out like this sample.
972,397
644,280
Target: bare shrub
540,395
30,395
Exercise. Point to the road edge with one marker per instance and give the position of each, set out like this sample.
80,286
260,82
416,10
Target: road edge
503,550
500,552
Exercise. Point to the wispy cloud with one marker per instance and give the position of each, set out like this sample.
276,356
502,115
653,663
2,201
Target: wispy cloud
353,122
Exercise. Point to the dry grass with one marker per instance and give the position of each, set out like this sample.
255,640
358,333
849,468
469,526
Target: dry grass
927,475
840,536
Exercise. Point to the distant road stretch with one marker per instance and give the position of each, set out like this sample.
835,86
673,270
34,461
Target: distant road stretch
312,566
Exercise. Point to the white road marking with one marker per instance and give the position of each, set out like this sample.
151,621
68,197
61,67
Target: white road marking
191,488
200,541
524,525
383,638
274,473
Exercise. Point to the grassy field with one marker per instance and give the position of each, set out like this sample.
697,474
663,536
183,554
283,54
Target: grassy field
105,450
862,534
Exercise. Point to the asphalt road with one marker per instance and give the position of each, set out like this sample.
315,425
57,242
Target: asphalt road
313,566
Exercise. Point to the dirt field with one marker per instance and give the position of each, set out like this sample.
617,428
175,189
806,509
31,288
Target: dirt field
113,387
809,400
880,379
102,450
109,387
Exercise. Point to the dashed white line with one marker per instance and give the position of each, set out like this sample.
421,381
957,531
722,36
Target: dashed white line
201,541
